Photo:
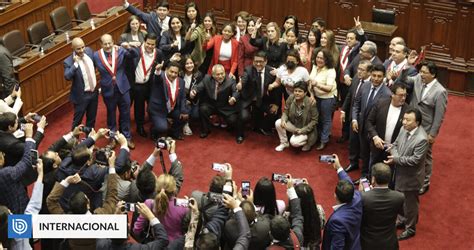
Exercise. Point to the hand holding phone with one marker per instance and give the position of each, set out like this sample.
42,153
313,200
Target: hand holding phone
219,167
245,188
281,178
327,158
130,207
34,156
181,202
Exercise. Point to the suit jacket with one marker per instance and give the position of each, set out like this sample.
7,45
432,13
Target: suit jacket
380,209
206,89
216,42
150,19
353,54
74,74
159,99
377,120
432,106
350,97
246,53
14,147
127,37
160,241
351,69
251,89
342,230
309,118
408,70
7,77
296,219
168,51
409,159
360,110
260,238
276,52
107,84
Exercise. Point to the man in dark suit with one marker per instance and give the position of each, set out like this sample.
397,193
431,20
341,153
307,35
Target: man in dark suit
397,68
144,67
342,230
7,76
255,97
354,40
13,146
369,94
368,51
384,123
168,100
408,154
431,98
380,209
218,95
156,22
114,83
79,68
363,75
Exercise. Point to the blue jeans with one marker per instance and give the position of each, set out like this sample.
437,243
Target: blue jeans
325,108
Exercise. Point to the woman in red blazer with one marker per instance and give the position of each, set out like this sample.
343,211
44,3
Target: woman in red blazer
246,50
226,50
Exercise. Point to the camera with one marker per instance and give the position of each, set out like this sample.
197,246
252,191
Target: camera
130,207
162,143
86,130
102,156
327,158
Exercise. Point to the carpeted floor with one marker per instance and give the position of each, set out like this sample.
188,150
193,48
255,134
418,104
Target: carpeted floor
446,218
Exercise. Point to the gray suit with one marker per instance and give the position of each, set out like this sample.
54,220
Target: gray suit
7,77
432,108
409,157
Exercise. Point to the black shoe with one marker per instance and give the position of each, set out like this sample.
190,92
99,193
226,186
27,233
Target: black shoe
341,139
178,137
405,235
351,167
141,131
265,132
203,135
424,189
239,139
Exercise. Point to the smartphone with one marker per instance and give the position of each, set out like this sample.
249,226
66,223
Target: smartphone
327,158
219,167
111,134
281,178
130,207
17,87
181,202
365,183
34,156
37,118
245,188
228,188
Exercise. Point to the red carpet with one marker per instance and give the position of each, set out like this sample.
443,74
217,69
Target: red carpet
446,218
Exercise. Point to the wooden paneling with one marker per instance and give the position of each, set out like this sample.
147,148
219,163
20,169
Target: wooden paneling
445,27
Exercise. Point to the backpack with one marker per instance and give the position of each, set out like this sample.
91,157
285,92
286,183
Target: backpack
294,239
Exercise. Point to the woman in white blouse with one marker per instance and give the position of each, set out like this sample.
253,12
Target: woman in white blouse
323,90
290,73
13,99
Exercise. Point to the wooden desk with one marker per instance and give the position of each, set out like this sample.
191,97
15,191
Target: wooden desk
381,34
41,78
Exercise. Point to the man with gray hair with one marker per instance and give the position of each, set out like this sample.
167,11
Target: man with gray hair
218,95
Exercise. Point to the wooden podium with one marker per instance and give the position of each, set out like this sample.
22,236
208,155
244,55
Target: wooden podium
381,34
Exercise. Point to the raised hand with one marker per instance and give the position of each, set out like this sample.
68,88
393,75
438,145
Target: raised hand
357,23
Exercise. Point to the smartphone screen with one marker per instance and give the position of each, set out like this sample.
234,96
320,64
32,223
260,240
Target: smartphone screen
181,202
130,207
245,188
219,167
365,183
34,156
279,178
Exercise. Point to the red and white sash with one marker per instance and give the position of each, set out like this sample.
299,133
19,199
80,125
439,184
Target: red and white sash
142,59
112,69
171,100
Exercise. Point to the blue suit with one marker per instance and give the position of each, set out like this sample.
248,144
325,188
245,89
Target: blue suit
84,102
342,230
360,112
160,108
116,92
150,19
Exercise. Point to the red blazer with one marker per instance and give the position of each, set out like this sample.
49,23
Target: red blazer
215,43
246,53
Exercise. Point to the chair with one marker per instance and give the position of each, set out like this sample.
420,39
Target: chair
383,16
15,43
82,12
61,20
37,31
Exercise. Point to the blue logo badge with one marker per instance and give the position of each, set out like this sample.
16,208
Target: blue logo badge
19,226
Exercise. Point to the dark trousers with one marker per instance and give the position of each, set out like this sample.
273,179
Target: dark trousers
262,118
410,210
122,101
87,107
141,96
364,151
160,122
232,118
354,150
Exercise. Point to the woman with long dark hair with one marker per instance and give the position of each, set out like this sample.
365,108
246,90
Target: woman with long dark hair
313,220
172,41
191,15
289,22
246,50
275,50
290,73
307,48
199,34
191,77
226,50
264,198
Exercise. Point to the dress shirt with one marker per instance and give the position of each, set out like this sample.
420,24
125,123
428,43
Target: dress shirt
173,85
324,76
87,62
427,88
226,51
392,118
140,77
411,133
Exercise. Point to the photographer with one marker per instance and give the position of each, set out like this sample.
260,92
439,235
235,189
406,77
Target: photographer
160,238
81,162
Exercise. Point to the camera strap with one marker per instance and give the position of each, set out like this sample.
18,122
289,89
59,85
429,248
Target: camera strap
162,161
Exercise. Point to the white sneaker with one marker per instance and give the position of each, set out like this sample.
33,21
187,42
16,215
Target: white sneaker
281,147
187,130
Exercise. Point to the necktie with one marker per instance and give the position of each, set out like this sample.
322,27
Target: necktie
371,97
109,58
262,85
216,90
343,63
423,89
89,75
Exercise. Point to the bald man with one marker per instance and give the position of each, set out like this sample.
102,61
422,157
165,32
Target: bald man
79,68
115,87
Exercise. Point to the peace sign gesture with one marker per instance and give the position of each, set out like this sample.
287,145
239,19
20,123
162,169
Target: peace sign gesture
357,23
